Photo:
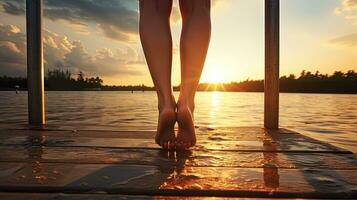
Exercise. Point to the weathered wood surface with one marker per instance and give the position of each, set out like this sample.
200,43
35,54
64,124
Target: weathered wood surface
248,140
49,196
239,162
214,158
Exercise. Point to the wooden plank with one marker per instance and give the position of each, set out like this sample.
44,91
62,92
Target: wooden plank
232,139
213,138
175,181
62,196
277,143
239,162
79,133
219,134
97,155
78,126
271,82
35,68
236,132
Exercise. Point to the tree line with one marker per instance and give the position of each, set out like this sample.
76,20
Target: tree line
307,82
56,79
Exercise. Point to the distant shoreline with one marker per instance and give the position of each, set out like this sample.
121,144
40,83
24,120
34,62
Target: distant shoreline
59,80
139,91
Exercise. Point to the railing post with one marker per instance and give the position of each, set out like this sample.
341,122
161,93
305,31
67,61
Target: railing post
271,83
35,71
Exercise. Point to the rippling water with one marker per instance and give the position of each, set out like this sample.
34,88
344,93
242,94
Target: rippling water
327,117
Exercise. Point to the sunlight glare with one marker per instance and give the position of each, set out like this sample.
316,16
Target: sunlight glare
212,75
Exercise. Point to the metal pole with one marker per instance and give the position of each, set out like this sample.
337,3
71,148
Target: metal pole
35,71
271,83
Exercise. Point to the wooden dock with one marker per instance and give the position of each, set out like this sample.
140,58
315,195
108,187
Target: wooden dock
247,162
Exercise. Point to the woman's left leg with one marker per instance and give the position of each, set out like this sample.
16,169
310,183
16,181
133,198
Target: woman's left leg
155,35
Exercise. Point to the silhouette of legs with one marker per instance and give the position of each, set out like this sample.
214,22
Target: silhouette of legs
156,39
195,37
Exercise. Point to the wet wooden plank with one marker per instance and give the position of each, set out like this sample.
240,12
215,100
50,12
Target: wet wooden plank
249,162
230,139
215,138
173,180
224,133
95,155
283,145
78,126
62,196
80,133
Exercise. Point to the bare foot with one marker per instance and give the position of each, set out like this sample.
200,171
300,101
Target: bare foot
186,136
165,135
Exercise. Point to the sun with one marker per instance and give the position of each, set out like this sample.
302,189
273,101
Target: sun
212,75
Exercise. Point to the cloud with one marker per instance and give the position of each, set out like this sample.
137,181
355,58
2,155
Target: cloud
104,62
60,51
348,9
117,19
14,7
12,50
346,40
12,59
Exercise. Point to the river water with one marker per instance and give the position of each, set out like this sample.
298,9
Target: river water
327,117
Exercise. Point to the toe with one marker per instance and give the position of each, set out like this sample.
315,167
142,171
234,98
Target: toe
179,145
163,144
188,145
171,145
192,144
157,140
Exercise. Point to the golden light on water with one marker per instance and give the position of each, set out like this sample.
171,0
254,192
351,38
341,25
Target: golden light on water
215,104
216,99
185,175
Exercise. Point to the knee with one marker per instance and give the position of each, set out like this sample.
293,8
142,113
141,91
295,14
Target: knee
156,8
190,8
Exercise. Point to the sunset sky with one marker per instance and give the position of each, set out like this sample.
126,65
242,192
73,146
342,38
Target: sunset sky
100,38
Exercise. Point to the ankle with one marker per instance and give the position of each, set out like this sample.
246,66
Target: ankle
167,103
185,103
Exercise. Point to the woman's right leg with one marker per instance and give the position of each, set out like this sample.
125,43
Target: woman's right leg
156,39
195,38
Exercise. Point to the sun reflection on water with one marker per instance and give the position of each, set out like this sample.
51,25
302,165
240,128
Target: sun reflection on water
216,100
215,104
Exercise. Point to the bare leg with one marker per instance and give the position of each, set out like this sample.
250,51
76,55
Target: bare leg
195,37
156,40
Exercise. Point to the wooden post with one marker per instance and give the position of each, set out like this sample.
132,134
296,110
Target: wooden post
35,71
271,83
